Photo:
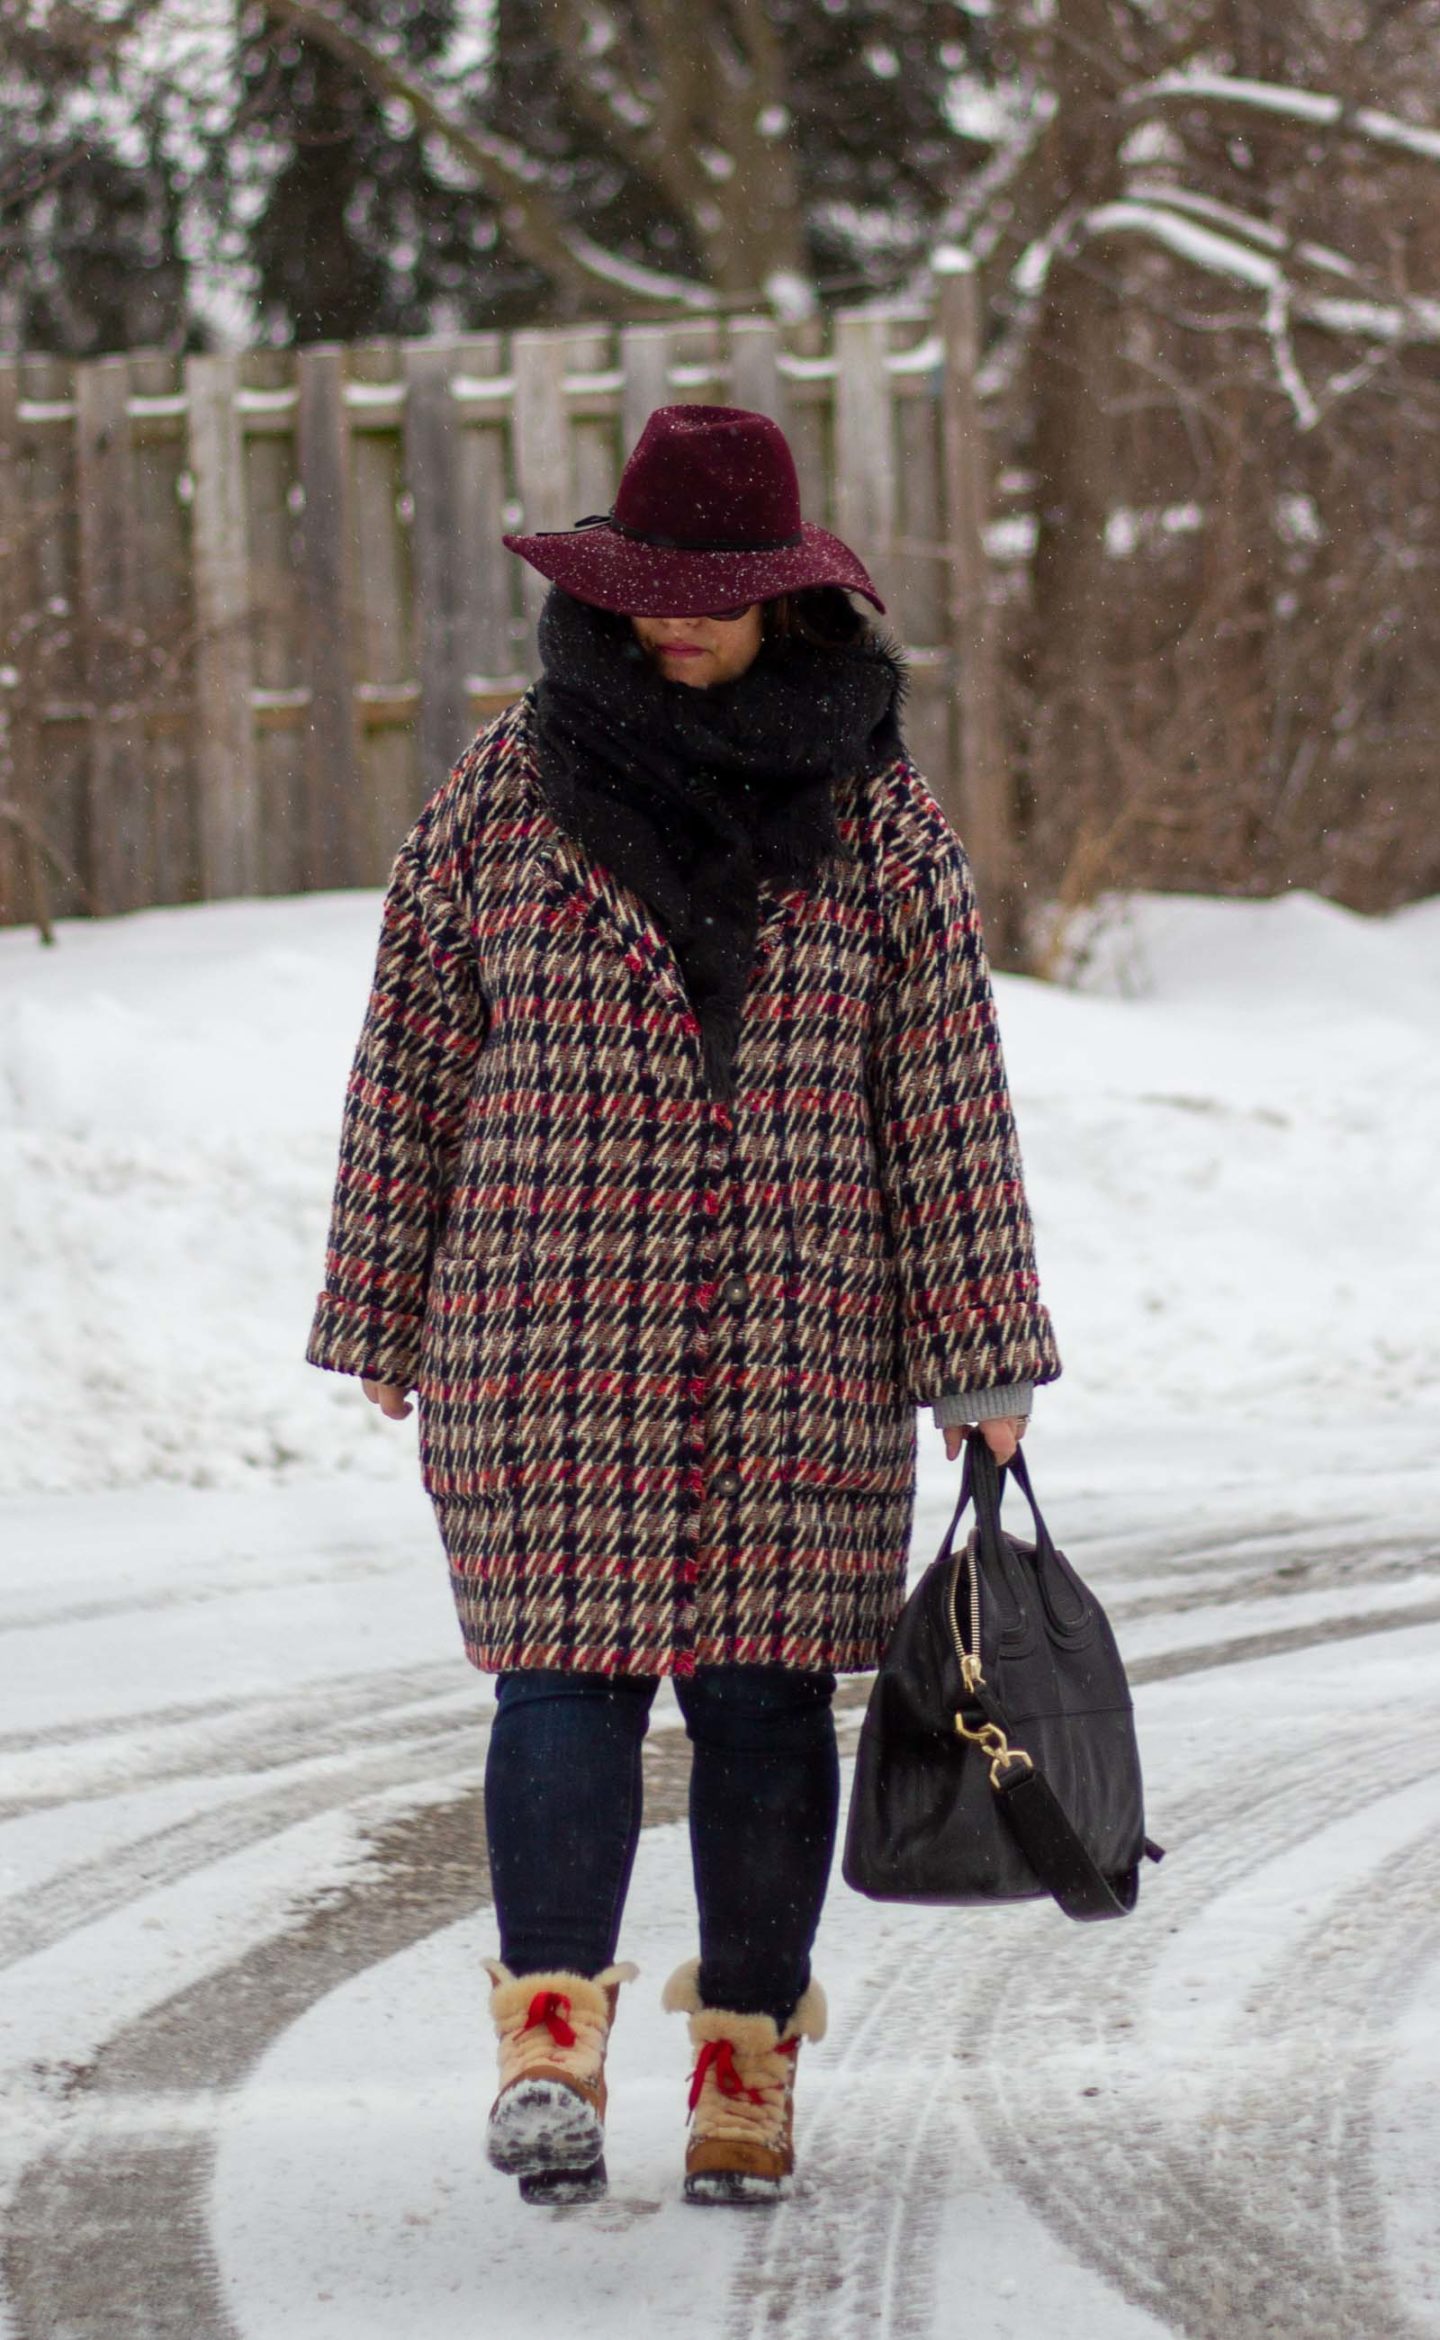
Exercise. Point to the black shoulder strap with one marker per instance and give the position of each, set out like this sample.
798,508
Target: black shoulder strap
1055,1852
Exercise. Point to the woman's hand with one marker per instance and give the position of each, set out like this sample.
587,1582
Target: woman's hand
1002,1436
389,1397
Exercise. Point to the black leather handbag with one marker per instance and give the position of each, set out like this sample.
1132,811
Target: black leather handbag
997,1757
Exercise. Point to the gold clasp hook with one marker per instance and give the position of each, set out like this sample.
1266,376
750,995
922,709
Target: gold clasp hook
992,1742
990,1738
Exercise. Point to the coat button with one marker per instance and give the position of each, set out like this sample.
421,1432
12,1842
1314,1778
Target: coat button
727,1482
737,1291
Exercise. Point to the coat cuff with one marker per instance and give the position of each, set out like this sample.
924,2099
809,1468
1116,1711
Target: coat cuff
960,1406
378,1344
967,1350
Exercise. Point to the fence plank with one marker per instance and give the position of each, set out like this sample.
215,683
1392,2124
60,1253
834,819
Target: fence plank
384,666
279,650
754,369
12,510
865,488
62,733
542,448
165,610
229,779
13,581
22,879
594,471
334,828
118,815
809,421
491,628
645,361
701,359
919,572
438,552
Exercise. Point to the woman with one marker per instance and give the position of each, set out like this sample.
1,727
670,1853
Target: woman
677,1168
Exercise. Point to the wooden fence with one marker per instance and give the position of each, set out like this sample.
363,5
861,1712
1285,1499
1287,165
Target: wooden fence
251,608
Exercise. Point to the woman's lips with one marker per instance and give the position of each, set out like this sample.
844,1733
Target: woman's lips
681,650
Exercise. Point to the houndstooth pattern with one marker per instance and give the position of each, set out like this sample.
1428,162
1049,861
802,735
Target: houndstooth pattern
668,1349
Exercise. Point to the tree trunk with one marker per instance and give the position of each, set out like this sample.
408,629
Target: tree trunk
1073,352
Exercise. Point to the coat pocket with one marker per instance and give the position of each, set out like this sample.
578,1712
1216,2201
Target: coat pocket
832,1408
472,1366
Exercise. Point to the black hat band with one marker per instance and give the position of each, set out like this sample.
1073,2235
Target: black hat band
672,543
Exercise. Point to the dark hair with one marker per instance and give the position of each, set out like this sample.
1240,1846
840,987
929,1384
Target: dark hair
821,616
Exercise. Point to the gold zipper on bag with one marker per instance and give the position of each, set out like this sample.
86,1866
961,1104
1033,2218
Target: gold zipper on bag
970,1672
989,1738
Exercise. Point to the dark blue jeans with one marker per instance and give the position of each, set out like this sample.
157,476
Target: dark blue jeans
563,1808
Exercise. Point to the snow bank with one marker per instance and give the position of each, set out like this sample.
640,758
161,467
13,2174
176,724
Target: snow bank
1231,1134
1230,1129
170,1095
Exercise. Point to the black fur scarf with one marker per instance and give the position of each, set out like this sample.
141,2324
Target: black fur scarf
693,796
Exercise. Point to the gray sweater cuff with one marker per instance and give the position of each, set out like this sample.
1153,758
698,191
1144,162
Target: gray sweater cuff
960,1406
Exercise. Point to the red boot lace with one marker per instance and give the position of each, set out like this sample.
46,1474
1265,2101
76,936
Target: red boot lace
718,2056
551,2009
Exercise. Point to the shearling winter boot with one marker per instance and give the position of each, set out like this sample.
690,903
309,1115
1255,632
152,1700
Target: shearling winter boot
547,2124
742,2094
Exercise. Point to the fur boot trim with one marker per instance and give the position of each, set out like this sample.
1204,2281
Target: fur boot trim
558,1978
742,2093
681,1996
557,2020
547,2122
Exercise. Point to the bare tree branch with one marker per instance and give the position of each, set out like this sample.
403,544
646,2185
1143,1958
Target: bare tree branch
1313,107
1370,315
518,183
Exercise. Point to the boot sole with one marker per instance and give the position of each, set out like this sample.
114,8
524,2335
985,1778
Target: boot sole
734,2189
541,2126
553,2188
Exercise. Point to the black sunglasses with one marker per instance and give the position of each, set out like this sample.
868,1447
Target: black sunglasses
721,617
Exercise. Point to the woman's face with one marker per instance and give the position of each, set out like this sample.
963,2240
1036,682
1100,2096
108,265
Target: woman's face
701,650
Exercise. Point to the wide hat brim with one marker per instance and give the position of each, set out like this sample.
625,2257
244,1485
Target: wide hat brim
636,579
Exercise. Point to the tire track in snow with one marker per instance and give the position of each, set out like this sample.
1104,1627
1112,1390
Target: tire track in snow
236,1582
262,1732
108,2236
847,2257
1276,1641
1351,1976
263,1714
1181,2240
1177,2223
91,1890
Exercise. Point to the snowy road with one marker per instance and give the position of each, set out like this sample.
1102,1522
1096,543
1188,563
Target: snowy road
246,2059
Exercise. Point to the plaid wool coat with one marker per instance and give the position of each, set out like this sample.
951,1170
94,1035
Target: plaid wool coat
668,1349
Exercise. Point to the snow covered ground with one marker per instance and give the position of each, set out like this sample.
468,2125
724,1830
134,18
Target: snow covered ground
241,1878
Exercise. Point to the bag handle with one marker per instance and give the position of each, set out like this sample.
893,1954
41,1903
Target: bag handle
990,1480
982,1481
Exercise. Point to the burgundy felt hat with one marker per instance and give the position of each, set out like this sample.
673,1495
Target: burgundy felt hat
706,518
